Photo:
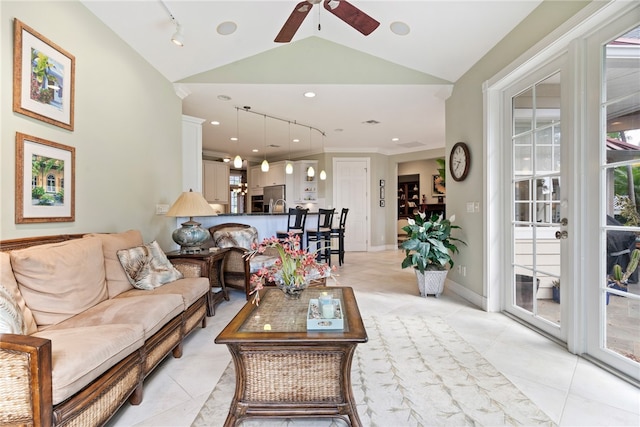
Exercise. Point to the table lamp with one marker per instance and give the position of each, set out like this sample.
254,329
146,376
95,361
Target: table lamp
190,236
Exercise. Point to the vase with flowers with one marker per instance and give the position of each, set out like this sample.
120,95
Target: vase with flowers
291,272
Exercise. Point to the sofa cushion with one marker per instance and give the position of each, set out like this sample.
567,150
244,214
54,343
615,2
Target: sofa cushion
80,355
147,267
117,281
149,311
190,289
229,237
8,281
59,280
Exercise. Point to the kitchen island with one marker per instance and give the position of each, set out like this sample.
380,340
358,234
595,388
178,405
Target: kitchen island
267,224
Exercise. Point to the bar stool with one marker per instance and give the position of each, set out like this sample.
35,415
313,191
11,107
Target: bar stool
321,235
338,233
295,224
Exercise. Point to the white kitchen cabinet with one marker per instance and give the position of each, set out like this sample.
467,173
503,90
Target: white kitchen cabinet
276,174
216,182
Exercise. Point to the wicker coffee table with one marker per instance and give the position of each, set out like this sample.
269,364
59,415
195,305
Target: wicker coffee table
283,370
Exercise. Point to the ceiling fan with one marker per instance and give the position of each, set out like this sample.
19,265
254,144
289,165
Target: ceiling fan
340,8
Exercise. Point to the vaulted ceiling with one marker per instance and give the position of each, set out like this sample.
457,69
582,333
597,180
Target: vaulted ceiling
369,89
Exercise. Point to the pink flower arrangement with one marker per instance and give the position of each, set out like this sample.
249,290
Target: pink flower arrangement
292,268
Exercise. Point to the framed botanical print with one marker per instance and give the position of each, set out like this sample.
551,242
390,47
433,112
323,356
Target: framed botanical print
43,78
45,187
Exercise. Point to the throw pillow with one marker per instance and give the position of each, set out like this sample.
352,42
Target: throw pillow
11,319
236,237
147,267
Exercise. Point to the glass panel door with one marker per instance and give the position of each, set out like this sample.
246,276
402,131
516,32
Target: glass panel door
537,225
619,296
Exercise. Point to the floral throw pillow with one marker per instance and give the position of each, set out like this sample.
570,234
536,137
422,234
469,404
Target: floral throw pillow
147,267
11,319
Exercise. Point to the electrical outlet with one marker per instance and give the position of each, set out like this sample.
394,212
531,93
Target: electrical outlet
464,271
162,209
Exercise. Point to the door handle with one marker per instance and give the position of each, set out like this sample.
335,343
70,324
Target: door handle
561,234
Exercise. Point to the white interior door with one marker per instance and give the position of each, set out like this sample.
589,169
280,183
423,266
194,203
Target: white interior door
350,190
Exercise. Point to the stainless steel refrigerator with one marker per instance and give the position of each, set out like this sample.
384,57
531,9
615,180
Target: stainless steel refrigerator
273,198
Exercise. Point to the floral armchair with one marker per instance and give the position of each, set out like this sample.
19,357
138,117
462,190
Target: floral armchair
236,270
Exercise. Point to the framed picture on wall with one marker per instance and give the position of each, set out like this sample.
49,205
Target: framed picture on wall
438,187
45,187
43,78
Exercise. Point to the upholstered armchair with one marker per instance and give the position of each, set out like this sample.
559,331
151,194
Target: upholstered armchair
236,271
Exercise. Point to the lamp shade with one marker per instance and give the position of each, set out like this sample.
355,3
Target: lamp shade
190,204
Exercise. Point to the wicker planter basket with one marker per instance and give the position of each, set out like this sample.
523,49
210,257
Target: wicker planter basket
431,282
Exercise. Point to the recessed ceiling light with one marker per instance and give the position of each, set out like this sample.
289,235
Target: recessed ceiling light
296,140
234,138
338,130
215,123
226,160
227,28
399,28
224,98
395,139
309,94
255,150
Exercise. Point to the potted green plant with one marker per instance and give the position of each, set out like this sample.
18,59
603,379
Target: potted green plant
428,249
555,289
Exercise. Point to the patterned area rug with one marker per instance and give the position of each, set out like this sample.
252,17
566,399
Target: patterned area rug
414,371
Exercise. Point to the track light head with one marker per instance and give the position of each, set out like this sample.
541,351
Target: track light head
178,38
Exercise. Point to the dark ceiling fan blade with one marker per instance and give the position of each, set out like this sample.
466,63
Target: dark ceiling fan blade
352,15
294,21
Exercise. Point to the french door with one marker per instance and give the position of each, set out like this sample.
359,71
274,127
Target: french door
613,119
538,225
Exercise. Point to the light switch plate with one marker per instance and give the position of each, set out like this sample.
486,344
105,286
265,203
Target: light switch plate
162,209
469,207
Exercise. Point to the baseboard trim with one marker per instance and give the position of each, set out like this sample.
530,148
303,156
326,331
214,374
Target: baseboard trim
464,292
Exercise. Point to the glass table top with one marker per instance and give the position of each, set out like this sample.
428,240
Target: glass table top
277,313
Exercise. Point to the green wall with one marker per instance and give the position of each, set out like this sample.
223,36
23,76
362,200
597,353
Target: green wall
127,127
464,122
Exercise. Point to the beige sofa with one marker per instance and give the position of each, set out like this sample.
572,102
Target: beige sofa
86,337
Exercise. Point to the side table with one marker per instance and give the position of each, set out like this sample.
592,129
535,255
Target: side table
213,261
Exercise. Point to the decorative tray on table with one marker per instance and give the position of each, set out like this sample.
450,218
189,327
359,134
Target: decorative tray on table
316,320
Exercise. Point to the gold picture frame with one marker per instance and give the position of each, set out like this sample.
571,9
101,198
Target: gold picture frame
43,78
45,181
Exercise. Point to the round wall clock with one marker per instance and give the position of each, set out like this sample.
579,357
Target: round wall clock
459,161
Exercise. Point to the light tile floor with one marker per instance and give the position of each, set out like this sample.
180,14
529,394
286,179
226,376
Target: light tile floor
569,389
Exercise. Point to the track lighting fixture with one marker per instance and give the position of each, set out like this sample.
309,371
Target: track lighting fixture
178,38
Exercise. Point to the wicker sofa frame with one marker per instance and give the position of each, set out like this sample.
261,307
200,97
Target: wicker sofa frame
26,364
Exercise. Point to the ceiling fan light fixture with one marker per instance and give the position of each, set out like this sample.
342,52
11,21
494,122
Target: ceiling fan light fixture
178,38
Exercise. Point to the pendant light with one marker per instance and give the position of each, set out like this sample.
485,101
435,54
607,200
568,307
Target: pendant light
323,174
288,169
265,165
310,171
237,160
